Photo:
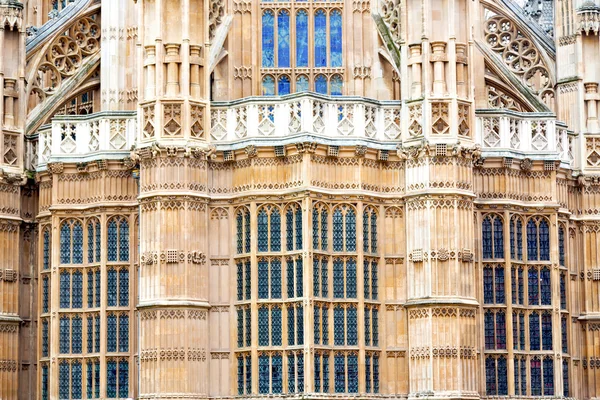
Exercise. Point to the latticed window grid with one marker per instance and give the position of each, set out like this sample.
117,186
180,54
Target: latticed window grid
242,219
563,290
346,372
70,379
92,384
371,279
45,337
516,238
321,371
344,229
496,375
295,377
344,277
520,375
495,330
46,250
539,286
493,284
542,376
117,378
117,332
519,329
93,333
93,288
345,325
270,372
269,325
269,278
561,245
94,248
243,279
117,246
71,242
45,293
320,226
268,229
293,226
321,323
71,289
117,287
244,324
294,277
564,333
492,237
517,285
540,330
70,334
244,373
372,372
370,230
538,239
45,381
371,325
295,324
320,276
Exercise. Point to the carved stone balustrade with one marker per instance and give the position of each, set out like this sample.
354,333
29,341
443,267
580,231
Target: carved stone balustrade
336,117
101,135
532,135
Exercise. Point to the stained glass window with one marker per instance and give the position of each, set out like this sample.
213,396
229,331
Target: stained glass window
283,40
488,285
486,239
76,335
548,376
563,291
90,334
564,333
111,333
65,335
534,331
46,250
500,330
546,331
351,278
532,248
516,238
544,240
45,338
240,375
545,287
45,385
561,245
77,295
111,379
76,380
112,238
335,23
351,327
45,293
268,39
123,333
263,326
64,380
123,287
336,85
321,84
499,284
90,288
566,391
97,333
340,373
268,85
112,287
65,289
77,243
302,40
247,277
533,283
65,243
240,327
489,330
283,85
320,20
123,240
248,332
302,83
492,237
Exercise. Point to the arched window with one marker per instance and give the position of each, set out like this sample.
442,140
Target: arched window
534,331
46,262
293,223
546,331
320,227
268,39
344,229
369,230
496,376
538,239
71,242
93,232
283,39
243,230
561,245
302,84
335,47
548,376
565,369
268,86
495,330
269,278
321,84
118,239
516,238
336,85
269,229
320,19
492,237
302,39
344,277
493,284
283,85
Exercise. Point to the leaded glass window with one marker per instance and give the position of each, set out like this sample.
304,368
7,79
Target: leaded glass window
320,227
495,330
45,293
493,284
71,242
93,239
516,238
65,289
296,372
371,325
64,380
111,379
46,258
283,40
123,287
320,277
270,373
76,335
565,370
496,377
112,285
546,331
538,239
321,371
534,331
492,237
268,39
370,230
302,41
561,245
76,380
344,229
243,230
123,333
118,239
45,382
321,84
244,377
77,295
345,373
344,277
548,377
371,279
520,375
564,334
517,285
45,338
123,379
335,22
563,291
111,333
345,324
269,229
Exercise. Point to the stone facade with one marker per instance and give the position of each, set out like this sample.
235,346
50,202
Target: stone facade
303,199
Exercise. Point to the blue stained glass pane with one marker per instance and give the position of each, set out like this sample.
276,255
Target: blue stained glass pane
240,234
544,241
263,279
45,293
291,324
338,278
277,374
368,373
486,237
320,20
350,231
515,326
90,334
98,238
532,247
500,330
268,86
299,278
498,239
513,241
275,231
46,250
565,378
90,288
124,241
123,287
289,229
298,218
45,338
112,240
522,330
545,286
375,327
367,326
77,243
111,333
300,325
247,234
523,377
490,376
519,240
488,286
302,83
248,374
76,329
340,373
324,229
112,288
240,376
317,325
275,279
283,40
123,379
521,287
563,332
324,278
499,285
248,322
276,327
376,373
247,277
65,244
374,281
513,285
45,382
283,85
111,379
123,333
325,324
77,300
351,279
89,380
338,326
533,281
548,377
561,246
563,291
300,373
326,373
97,380
338,231
337,85
263,326
97,333
546,331
367,277
76,380
63,380
291,373
352,374
317,373
366,241
65,335
263,231
335,32
90,242
302,42
268,39
374,233
240,281
240,327
321,85
290,279
65,290
534,331
352,327
489,330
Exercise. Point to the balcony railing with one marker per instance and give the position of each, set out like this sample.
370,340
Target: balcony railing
72,136
263,117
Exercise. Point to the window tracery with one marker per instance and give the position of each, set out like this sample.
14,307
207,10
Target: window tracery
538,239
118,239
71,242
